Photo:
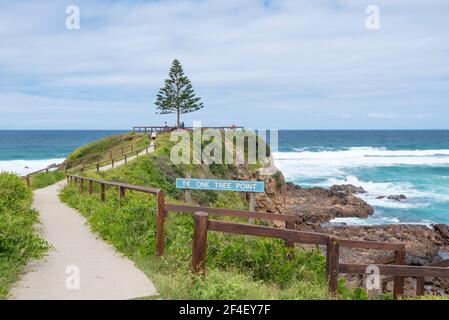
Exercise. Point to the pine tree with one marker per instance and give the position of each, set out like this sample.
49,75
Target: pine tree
177,95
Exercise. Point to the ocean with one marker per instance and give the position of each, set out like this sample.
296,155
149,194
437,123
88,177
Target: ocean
23,152
412,163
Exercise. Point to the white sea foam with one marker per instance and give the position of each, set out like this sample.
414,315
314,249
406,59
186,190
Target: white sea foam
330,167
23,167
374,221
304,161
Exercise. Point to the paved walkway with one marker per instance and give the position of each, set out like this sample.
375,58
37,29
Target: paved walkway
103,273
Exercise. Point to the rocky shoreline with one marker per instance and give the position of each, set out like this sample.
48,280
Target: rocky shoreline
315,207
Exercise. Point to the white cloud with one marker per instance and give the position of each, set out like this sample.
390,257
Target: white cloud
293,56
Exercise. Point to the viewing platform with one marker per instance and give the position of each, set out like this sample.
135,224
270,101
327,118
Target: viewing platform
149,129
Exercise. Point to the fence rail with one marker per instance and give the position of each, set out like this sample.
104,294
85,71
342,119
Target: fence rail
147,129
81,162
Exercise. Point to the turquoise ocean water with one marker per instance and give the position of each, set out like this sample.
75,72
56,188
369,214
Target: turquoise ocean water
413,163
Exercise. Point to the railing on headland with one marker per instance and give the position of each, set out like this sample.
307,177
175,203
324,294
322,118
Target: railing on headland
202,224
147,129
81,164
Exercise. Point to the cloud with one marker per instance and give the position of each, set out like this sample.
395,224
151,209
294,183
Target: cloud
257,63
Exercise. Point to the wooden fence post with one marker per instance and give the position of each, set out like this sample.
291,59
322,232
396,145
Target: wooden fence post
110,154
28,181
122,193
81,185
199,243
160,219
126,158
98,167
419,286
332,263
398,287
102,193
289,225
91,187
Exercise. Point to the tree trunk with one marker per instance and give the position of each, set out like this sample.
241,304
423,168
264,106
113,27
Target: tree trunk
178,124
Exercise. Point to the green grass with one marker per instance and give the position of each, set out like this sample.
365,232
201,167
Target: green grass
238,267
42,180
19,242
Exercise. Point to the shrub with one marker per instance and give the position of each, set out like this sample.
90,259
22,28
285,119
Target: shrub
18,240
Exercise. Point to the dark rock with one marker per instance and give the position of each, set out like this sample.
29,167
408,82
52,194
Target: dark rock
318,205
399,197
443,230
347,188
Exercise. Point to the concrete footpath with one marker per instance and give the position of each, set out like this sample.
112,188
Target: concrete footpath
81,266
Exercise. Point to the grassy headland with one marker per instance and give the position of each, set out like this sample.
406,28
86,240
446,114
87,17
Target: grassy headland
19,241
238,267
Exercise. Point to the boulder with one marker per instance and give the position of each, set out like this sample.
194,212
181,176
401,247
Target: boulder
399,197
347,188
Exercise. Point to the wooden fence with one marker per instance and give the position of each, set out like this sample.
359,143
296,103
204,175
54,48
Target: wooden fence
27,178
147,129
80,164
202,224
110,156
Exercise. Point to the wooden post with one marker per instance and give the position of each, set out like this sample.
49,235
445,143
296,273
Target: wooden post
252,201
199,243
188,192
112,162
252,205
81,185
160,219
102,193
98,167
289,225
398,287
125,158
91,187
110,154
332,263
419,286
122,193
28,181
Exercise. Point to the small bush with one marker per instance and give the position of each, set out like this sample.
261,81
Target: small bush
18,240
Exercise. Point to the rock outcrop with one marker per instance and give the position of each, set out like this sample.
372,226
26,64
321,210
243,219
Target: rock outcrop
317,205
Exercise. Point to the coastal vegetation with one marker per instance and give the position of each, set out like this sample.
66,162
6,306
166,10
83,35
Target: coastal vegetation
19,241
43,179
239,267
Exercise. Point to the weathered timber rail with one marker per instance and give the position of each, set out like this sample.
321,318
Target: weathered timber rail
148,129
110,156
202,224
27,178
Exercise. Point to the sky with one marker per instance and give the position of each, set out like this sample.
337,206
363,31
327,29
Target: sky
280,64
